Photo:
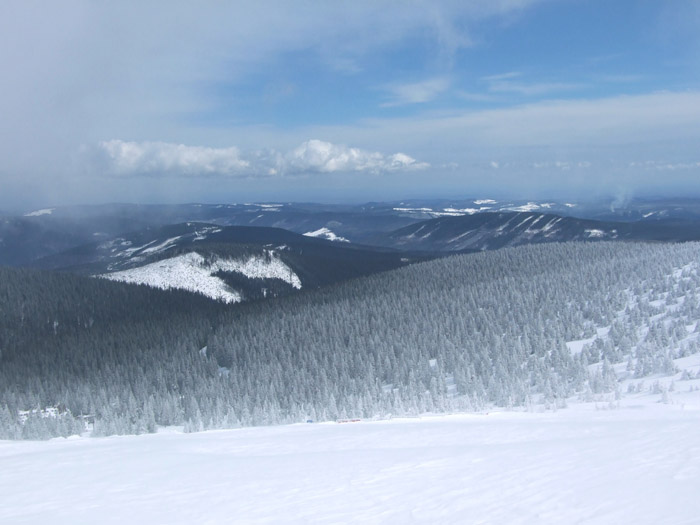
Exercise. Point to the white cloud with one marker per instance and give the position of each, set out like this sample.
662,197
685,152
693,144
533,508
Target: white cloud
165,158
416,93
324,157
313,156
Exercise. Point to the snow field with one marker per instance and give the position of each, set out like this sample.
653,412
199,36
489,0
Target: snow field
636,464
194,273
325,233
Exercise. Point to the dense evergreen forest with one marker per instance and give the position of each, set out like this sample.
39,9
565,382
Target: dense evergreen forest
460,333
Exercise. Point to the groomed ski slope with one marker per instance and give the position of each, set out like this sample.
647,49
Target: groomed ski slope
639,463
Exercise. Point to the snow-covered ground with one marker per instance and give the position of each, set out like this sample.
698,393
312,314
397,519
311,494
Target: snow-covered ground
639,463
194,273
325,233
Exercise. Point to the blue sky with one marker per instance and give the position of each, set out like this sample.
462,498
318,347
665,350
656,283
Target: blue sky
347,101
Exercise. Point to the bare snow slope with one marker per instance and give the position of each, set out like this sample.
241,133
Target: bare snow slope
325,233
578,465
194,273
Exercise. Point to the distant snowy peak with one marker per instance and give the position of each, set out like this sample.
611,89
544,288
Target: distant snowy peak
195,273
325,233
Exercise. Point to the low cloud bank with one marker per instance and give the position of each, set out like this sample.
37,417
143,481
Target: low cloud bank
122,158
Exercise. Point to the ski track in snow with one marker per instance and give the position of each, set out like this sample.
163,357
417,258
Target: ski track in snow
192,272
635,464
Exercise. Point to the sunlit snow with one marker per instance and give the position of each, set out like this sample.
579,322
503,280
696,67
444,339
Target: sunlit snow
194,273
639,463
325,233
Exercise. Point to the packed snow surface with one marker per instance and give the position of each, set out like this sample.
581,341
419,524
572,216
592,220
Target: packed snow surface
38,213
325,233
194,273
585,464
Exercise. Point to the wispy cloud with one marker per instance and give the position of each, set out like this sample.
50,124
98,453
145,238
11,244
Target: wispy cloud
123,158
620,78
506,83
417,92
477,97
501,76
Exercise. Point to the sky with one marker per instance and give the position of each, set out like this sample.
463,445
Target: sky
347,101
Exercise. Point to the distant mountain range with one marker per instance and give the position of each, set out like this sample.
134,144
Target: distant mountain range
490,231
231,263
43,232
247,251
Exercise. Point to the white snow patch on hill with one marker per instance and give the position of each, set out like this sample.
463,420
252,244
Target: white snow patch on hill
457,212
38,213
260,268
169,243
579,465
530,206
325,233
194,273
595,233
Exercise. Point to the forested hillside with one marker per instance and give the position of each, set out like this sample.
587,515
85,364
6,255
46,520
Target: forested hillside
234,263
460,333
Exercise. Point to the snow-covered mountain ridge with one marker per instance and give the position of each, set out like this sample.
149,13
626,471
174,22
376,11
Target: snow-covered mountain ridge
26,239
268,261
493,230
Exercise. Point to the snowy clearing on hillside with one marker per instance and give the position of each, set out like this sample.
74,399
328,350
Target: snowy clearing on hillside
594,233
530,206
639,463
39,213
260,268
325,233
194,273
